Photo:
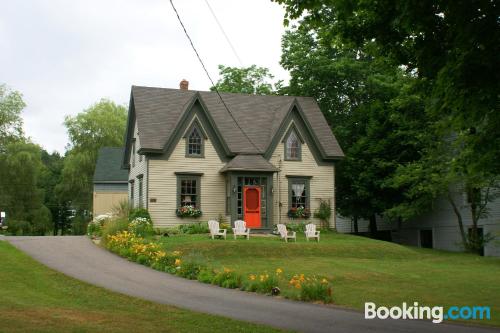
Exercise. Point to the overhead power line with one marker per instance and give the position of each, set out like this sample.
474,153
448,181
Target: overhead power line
210,78
224,33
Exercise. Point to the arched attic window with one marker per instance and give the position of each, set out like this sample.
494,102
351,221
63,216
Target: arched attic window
194,144
292,147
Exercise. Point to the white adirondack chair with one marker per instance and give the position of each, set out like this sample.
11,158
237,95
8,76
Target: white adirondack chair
311,232
285,234
240,229
213,226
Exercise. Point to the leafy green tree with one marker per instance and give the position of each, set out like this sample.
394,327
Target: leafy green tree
376,112
49,179
452,48
246,80
11,124
103,124
20,193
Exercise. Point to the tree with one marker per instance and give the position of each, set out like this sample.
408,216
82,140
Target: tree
102,124
375,111
246,80
451,47
49,179
20,194
11,124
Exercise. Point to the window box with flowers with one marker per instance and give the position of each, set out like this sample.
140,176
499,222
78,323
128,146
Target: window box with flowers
188,211
299,212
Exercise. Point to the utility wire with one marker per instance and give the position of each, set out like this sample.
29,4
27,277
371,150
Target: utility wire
224,33
210,78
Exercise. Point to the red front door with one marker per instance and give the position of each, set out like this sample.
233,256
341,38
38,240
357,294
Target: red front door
251,206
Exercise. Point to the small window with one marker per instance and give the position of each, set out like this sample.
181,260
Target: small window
133,154
140,157
298,192
132,192
292,147
140,191
195,143
188,191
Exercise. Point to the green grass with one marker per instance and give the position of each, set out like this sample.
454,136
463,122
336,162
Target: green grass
34,298
361,269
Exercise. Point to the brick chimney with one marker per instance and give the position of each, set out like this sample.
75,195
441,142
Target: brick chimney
184,85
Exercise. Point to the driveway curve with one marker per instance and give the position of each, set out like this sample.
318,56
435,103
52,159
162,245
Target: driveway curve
78,257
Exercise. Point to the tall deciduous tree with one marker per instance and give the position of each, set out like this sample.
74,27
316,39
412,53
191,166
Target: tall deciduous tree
375,111
103,124
450,46
246,80
11,124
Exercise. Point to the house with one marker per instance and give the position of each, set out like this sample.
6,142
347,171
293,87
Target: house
110,180
437,228
251,157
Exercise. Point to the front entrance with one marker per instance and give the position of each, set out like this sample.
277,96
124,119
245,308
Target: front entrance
251,206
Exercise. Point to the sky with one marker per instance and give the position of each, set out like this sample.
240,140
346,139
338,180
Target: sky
64,56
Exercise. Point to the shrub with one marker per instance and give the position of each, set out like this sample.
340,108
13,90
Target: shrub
139,212
194,228
312,288
190,269
113,227
297,227
122,209
18,227
227,279
323,213
141,227
206,275
79,225
263,283
226,226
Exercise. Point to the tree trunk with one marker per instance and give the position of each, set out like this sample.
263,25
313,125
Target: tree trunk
475,199
373,226
459,220
355,221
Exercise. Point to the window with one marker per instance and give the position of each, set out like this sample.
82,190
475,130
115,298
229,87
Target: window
140,178
195,143
132,192
292,147
133,154
140,157
188,190
298,192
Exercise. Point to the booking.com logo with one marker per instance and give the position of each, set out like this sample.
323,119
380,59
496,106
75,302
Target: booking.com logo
436,313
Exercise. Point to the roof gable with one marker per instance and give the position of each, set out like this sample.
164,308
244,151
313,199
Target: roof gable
250,128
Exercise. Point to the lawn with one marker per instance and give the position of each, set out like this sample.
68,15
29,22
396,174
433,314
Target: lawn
361,269
34,298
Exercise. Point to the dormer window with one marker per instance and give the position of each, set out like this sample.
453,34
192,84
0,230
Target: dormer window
292,147
194,141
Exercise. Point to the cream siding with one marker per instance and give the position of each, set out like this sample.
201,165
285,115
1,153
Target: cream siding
322,185
163,185
140,168
106,201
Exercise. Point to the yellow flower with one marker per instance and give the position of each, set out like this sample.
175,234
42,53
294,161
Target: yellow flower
176,253
178,262
252,277
227,270
279,271
297,285
324,281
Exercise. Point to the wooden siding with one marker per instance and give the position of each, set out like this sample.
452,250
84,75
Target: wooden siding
104,202
321,184
140,168
163,185
443,223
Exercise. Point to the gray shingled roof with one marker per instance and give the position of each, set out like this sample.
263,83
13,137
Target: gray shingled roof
249,163
158,111
109,166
